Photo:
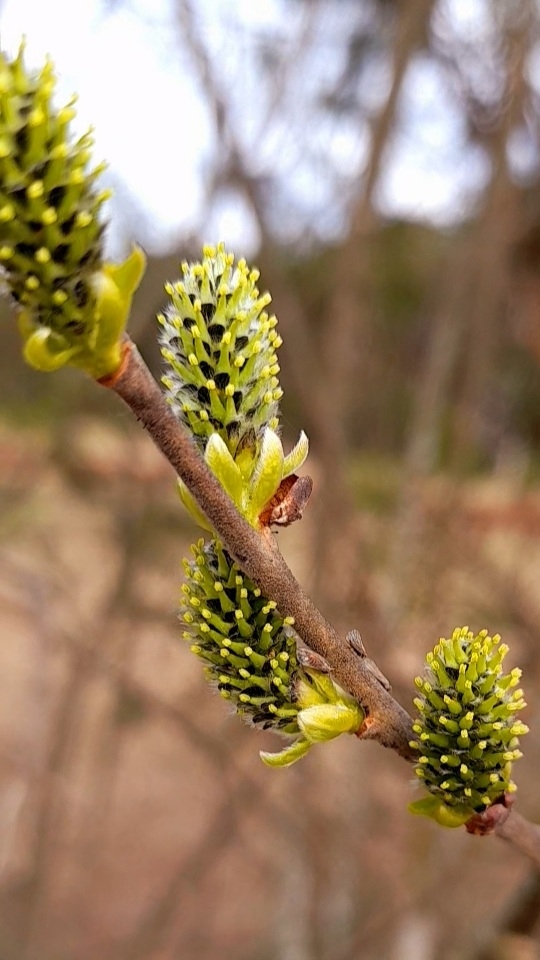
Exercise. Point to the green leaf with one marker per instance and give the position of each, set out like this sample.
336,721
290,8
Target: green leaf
329,720
268,473
224,468
192,506
325,686
46,351
294,460
288,755
435,809
113,287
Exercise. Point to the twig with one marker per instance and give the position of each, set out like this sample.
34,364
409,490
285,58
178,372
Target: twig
523,834
258,555
501,819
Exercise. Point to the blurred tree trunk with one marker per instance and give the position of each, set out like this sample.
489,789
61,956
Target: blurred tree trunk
476,427
345,338
469,328
294,934
515,935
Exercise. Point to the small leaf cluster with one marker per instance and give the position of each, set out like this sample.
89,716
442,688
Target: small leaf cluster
467,731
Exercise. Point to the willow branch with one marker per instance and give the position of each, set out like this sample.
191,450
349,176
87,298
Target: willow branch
522,834
258,555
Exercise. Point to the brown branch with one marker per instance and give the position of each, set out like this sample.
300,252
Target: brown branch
258,555
522,834
501,819
386,721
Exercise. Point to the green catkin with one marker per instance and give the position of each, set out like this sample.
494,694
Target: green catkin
238,668
51,237
467,734
72,307
219,345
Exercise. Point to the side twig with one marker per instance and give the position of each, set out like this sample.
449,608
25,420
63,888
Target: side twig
523,834
258,555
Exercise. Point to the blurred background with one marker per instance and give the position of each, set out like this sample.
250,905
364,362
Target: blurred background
380,162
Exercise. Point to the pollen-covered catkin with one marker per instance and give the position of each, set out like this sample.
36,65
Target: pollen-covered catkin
467,732
72,307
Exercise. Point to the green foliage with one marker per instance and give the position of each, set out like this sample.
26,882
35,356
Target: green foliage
72,307
467,730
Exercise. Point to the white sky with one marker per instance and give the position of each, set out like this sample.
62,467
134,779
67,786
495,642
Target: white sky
131,90
152,127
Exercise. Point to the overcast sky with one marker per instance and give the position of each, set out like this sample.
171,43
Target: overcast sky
151,124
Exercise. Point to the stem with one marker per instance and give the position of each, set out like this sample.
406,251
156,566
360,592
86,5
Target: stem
523,834
258,554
